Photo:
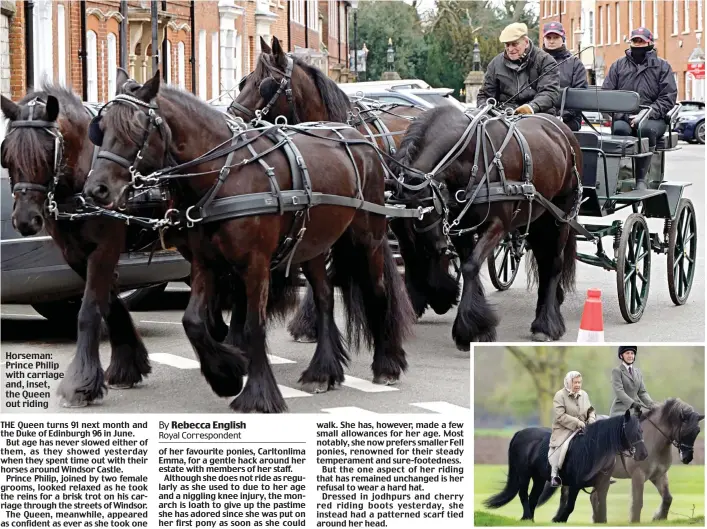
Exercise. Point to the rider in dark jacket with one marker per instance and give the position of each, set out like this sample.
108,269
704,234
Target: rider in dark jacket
573,74
644,72
520,65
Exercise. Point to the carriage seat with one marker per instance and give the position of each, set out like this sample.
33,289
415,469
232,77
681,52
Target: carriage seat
614,145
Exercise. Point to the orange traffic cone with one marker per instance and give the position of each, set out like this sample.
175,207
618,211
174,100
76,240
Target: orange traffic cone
591,328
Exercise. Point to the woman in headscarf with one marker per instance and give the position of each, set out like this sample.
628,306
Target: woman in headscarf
572,412
627,382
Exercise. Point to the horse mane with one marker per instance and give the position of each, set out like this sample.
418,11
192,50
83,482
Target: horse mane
672,410
415,136
29,153
603,436
335,101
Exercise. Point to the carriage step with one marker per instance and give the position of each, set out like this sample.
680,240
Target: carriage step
637,195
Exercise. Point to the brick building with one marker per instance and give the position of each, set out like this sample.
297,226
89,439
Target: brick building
677,26
203,46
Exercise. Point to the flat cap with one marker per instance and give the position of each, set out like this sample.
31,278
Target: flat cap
513,32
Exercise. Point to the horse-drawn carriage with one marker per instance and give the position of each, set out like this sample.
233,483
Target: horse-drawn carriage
612,166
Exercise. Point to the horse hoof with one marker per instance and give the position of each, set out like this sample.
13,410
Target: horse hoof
465,347
316,387
305,339
385,380
121,386
541,337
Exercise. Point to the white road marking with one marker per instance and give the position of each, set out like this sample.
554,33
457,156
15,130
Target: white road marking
175,361
366,386
349,411
441,407
164,322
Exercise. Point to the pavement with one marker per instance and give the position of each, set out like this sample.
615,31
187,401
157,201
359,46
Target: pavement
437,380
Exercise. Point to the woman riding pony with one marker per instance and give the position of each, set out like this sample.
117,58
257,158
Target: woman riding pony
627,382
572,412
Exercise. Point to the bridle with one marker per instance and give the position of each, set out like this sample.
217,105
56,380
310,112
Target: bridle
285,86
675,442
632,448
154,122
51,128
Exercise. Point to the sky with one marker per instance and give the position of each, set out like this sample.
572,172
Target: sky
425,5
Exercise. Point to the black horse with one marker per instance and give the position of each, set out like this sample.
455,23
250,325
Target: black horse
489,172
590,455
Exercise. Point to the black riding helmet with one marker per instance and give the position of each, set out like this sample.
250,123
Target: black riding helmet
624,348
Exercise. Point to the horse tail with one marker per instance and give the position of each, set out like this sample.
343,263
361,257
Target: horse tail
547,493
512,483
569,261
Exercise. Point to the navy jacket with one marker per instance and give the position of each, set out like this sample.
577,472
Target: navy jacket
573,74
653,80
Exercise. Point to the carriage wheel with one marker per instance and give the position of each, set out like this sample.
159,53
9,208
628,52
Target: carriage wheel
503,264
682,252
633,267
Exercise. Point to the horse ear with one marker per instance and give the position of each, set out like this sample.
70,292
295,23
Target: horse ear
148,91
264,46
9,108
52,108
700,418
120,79
278,52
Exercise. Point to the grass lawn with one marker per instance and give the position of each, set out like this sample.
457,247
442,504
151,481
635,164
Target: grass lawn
686,486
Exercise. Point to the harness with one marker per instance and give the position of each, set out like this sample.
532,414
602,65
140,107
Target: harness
210,209
51,128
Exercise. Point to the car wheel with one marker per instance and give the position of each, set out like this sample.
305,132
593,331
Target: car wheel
700,133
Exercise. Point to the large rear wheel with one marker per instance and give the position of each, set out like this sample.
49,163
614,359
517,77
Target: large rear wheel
633,267
682,252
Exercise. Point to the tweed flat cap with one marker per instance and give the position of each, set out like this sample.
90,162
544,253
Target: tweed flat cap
513,32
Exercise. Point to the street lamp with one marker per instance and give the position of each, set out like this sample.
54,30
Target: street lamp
391,55
476,56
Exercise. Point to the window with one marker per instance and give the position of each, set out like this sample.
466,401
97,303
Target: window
297,11
61,42
688,86
686,14
112,63
333,20
699,15
564,6
591,27
552,5
608,24
214,65
572,33
92,66
181,74
675,17
312,15
618,23
655,19
168,63
643,13
601,26
202,64
630,16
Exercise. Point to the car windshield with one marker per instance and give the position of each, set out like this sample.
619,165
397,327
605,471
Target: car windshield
691,107
439,100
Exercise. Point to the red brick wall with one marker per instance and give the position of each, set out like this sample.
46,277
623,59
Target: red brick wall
18,77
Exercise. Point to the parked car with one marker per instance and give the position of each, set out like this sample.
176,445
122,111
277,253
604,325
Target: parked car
34,271
423,97
691,122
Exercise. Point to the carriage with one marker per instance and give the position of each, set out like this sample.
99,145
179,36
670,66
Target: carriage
612,165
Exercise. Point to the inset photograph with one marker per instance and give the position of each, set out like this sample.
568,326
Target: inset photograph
580,435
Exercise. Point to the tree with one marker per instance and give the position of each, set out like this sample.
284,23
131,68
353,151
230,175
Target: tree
547,367
379,21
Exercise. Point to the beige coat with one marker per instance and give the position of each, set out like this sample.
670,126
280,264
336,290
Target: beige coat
568,412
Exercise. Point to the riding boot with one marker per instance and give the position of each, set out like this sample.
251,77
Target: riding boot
555,480
642,166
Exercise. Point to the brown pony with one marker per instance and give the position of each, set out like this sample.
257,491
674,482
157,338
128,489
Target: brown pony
314,97
47,150
155,127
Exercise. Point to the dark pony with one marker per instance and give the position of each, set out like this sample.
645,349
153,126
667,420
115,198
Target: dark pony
314,98
589,456
671,424
183,127
556,158
90,247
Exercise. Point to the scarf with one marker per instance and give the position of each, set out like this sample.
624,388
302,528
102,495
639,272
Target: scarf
568,382
638,53
558,53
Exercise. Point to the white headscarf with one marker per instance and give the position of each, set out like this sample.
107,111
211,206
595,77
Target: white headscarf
568,380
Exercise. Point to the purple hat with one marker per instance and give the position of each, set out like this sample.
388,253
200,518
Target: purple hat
642,33
554,27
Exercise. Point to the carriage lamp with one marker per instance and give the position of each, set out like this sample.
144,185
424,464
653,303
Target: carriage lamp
476,56
391,54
